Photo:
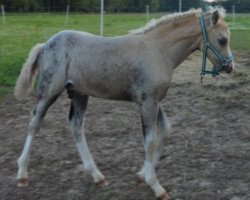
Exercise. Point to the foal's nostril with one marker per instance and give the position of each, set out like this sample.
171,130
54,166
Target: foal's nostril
229,69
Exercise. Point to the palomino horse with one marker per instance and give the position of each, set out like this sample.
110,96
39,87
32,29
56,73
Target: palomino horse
137,67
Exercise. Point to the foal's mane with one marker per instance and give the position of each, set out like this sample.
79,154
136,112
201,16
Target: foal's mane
176,17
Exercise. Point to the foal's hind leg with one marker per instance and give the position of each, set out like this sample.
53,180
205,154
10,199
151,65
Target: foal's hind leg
149,111
76,119
33,127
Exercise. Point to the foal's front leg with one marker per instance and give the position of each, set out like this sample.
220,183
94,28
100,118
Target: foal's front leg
149,110
76,119
163,128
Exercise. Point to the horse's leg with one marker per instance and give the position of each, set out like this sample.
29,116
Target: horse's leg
149,111
163,127
33,127
76,119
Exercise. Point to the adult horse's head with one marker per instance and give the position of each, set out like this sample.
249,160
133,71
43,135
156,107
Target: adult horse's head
215,43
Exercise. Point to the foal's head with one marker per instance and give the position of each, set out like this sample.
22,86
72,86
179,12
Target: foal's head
219,37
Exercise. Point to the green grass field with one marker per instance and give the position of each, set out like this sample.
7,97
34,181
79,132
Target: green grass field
22,31
240,32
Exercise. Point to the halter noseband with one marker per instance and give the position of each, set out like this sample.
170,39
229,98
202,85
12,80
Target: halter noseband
207,45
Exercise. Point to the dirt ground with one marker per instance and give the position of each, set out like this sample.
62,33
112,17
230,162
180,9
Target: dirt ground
207,156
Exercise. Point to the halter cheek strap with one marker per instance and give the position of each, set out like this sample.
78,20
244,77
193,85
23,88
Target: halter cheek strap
207,45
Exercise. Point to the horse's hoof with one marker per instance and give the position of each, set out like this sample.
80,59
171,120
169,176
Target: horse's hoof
102,183
22,182
164,196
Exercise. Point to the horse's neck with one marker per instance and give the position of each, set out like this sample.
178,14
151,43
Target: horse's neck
178,41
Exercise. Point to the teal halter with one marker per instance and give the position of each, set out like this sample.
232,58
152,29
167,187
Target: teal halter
207,45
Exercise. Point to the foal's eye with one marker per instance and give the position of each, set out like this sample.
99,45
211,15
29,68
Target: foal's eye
222,41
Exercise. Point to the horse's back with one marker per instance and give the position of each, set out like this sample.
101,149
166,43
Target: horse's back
108,67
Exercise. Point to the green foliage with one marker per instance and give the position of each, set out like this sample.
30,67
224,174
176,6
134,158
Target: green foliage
154,5
116,5
241,6
94,5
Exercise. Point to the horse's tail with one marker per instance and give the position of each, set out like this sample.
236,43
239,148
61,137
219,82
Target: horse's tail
26,79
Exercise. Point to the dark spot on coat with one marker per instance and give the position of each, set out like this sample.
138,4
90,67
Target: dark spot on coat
54,41
52,44
56,63
45,78
143,96
70,94
137,77
125,95
71,41
68,60
90,46
104,66
47,75
71,111
144,127
42,110
160,115
34,112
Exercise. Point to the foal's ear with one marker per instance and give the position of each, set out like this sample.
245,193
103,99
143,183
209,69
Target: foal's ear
215,17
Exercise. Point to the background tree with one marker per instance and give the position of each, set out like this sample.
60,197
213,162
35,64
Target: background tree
116,5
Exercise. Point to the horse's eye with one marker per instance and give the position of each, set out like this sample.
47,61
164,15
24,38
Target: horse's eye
222,41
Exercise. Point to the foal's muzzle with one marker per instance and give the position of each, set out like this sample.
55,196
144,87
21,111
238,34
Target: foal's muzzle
228,68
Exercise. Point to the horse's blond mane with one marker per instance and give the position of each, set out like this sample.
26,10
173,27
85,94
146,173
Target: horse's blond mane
174,18
165,19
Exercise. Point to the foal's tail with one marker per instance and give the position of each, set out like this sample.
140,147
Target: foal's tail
26,79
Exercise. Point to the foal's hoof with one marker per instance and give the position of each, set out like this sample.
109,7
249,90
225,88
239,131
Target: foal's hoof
102,183
164,196
22,182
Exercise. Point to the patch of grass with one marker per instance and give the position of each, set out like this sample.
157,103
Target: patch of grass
239,21
240,31
240,40
5,90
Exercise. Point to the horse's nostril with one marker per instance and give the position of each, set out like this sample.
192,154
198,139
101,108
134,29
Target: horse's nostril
229,69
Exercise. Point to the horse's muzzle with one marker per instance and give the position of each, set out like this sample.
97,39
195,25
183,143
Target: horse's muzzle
230,67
